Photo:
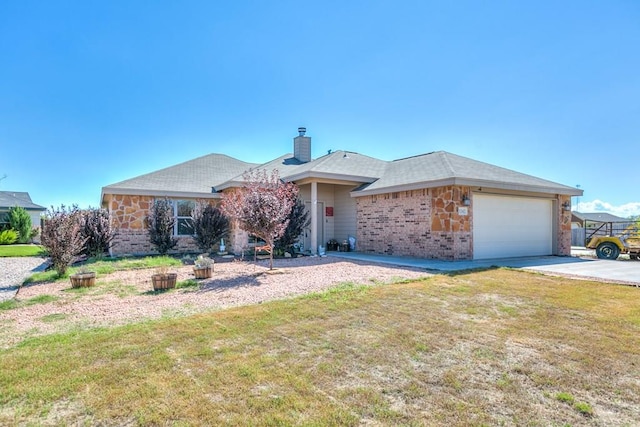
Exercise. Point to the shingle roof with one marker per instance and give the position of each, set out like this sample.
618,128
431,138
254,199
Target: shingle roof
598,217
193,176
342,165
216,172
9,199
443,168
283,164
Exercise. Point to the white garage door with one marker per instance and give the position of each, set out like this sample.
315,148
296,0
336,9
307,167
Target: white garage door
506,226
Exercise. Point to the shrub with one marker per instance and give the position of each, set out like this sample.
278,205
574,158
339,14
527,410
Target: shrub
160,224
298,221
34,232
97,232
209,225
8,237
20,221
61,236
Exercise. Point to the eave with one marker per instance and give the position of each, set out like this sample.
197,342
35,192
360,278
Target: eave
158,193
332,178
466,182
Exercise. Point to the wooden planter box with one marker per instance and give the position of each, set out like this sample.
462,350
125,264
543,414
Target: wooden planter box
202,272
164,281
83,280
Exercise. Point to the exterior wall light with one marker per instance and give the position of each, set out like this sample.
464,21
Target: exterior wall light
566,206
466,200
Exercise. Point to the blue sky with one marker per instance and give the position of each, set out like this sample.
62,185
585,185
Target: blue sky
92,93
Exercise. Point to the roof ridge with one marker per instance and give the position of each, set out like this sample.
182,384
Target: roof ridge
158,171
327,156
445,158
415,156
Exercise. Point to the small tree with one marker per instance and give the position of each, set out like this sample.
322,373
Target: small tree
209,225
298,221
20,221
61,236
97,231
160,224
261,206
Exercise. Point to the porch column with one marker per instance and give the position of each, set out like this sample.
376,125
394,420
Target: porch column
314,217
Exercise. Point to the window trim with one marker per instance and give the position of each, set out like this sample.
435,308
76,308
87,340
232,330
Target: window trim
177,218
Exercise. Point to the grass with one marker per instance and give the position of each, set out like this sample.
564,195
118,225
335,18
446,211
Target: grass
581,407
495,347
106,266
14,304
21,250
190,283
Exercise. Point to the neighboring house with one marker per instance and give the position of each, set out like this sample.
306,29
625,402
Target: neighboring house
436,205
10,199
595,219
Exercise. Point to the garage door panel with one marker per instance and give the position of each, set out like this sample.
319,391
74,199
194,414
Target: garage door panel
511,226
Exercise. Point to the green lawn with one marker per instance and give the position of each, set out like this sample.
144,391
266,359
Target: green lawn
21,250
495,347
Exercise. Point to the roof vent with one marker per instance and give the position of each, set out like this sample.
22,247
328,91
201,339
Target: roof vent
302,131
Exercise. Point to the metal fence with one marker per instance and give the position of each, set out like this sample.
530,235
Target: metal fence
579,236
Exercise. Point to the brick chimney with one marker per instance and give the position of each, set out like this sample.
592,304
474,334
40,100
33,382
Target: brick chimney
302,146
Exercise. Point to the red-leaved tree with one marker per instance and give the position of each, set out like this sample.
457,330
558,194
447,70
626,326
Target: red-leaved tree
62,236
261,206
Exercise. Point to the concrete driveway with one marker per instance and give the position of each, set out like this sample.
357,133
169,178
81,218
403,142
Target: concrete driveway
620,271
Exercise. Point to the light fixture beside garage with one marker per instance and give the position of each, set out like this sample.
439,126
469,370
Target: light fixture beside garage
566,206
465,200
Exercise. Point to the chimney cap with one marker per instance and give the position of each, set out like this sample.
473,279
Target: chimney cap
302,130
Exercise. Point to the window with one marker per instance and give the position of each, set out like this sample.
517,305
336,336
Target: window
184,224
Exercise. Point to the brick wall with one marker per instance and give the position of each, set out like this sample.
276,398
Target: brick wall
422,223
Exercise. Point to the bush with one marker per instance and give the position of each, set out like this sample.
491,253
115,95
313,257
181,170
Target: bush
209,226
61,236
20,221
8,237
160,224
34,232
298,221
97,232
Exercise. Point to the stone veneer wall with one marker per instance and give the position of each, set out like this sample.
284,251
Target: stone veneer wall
128,213
422,223
238,239
564,227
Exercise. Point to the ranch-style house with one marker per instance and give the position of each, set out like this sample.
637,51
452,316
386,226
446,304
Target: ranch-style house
436,205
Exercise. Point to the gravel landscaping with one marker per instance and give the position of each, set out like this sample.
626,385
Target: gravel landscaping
13,271
126,296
